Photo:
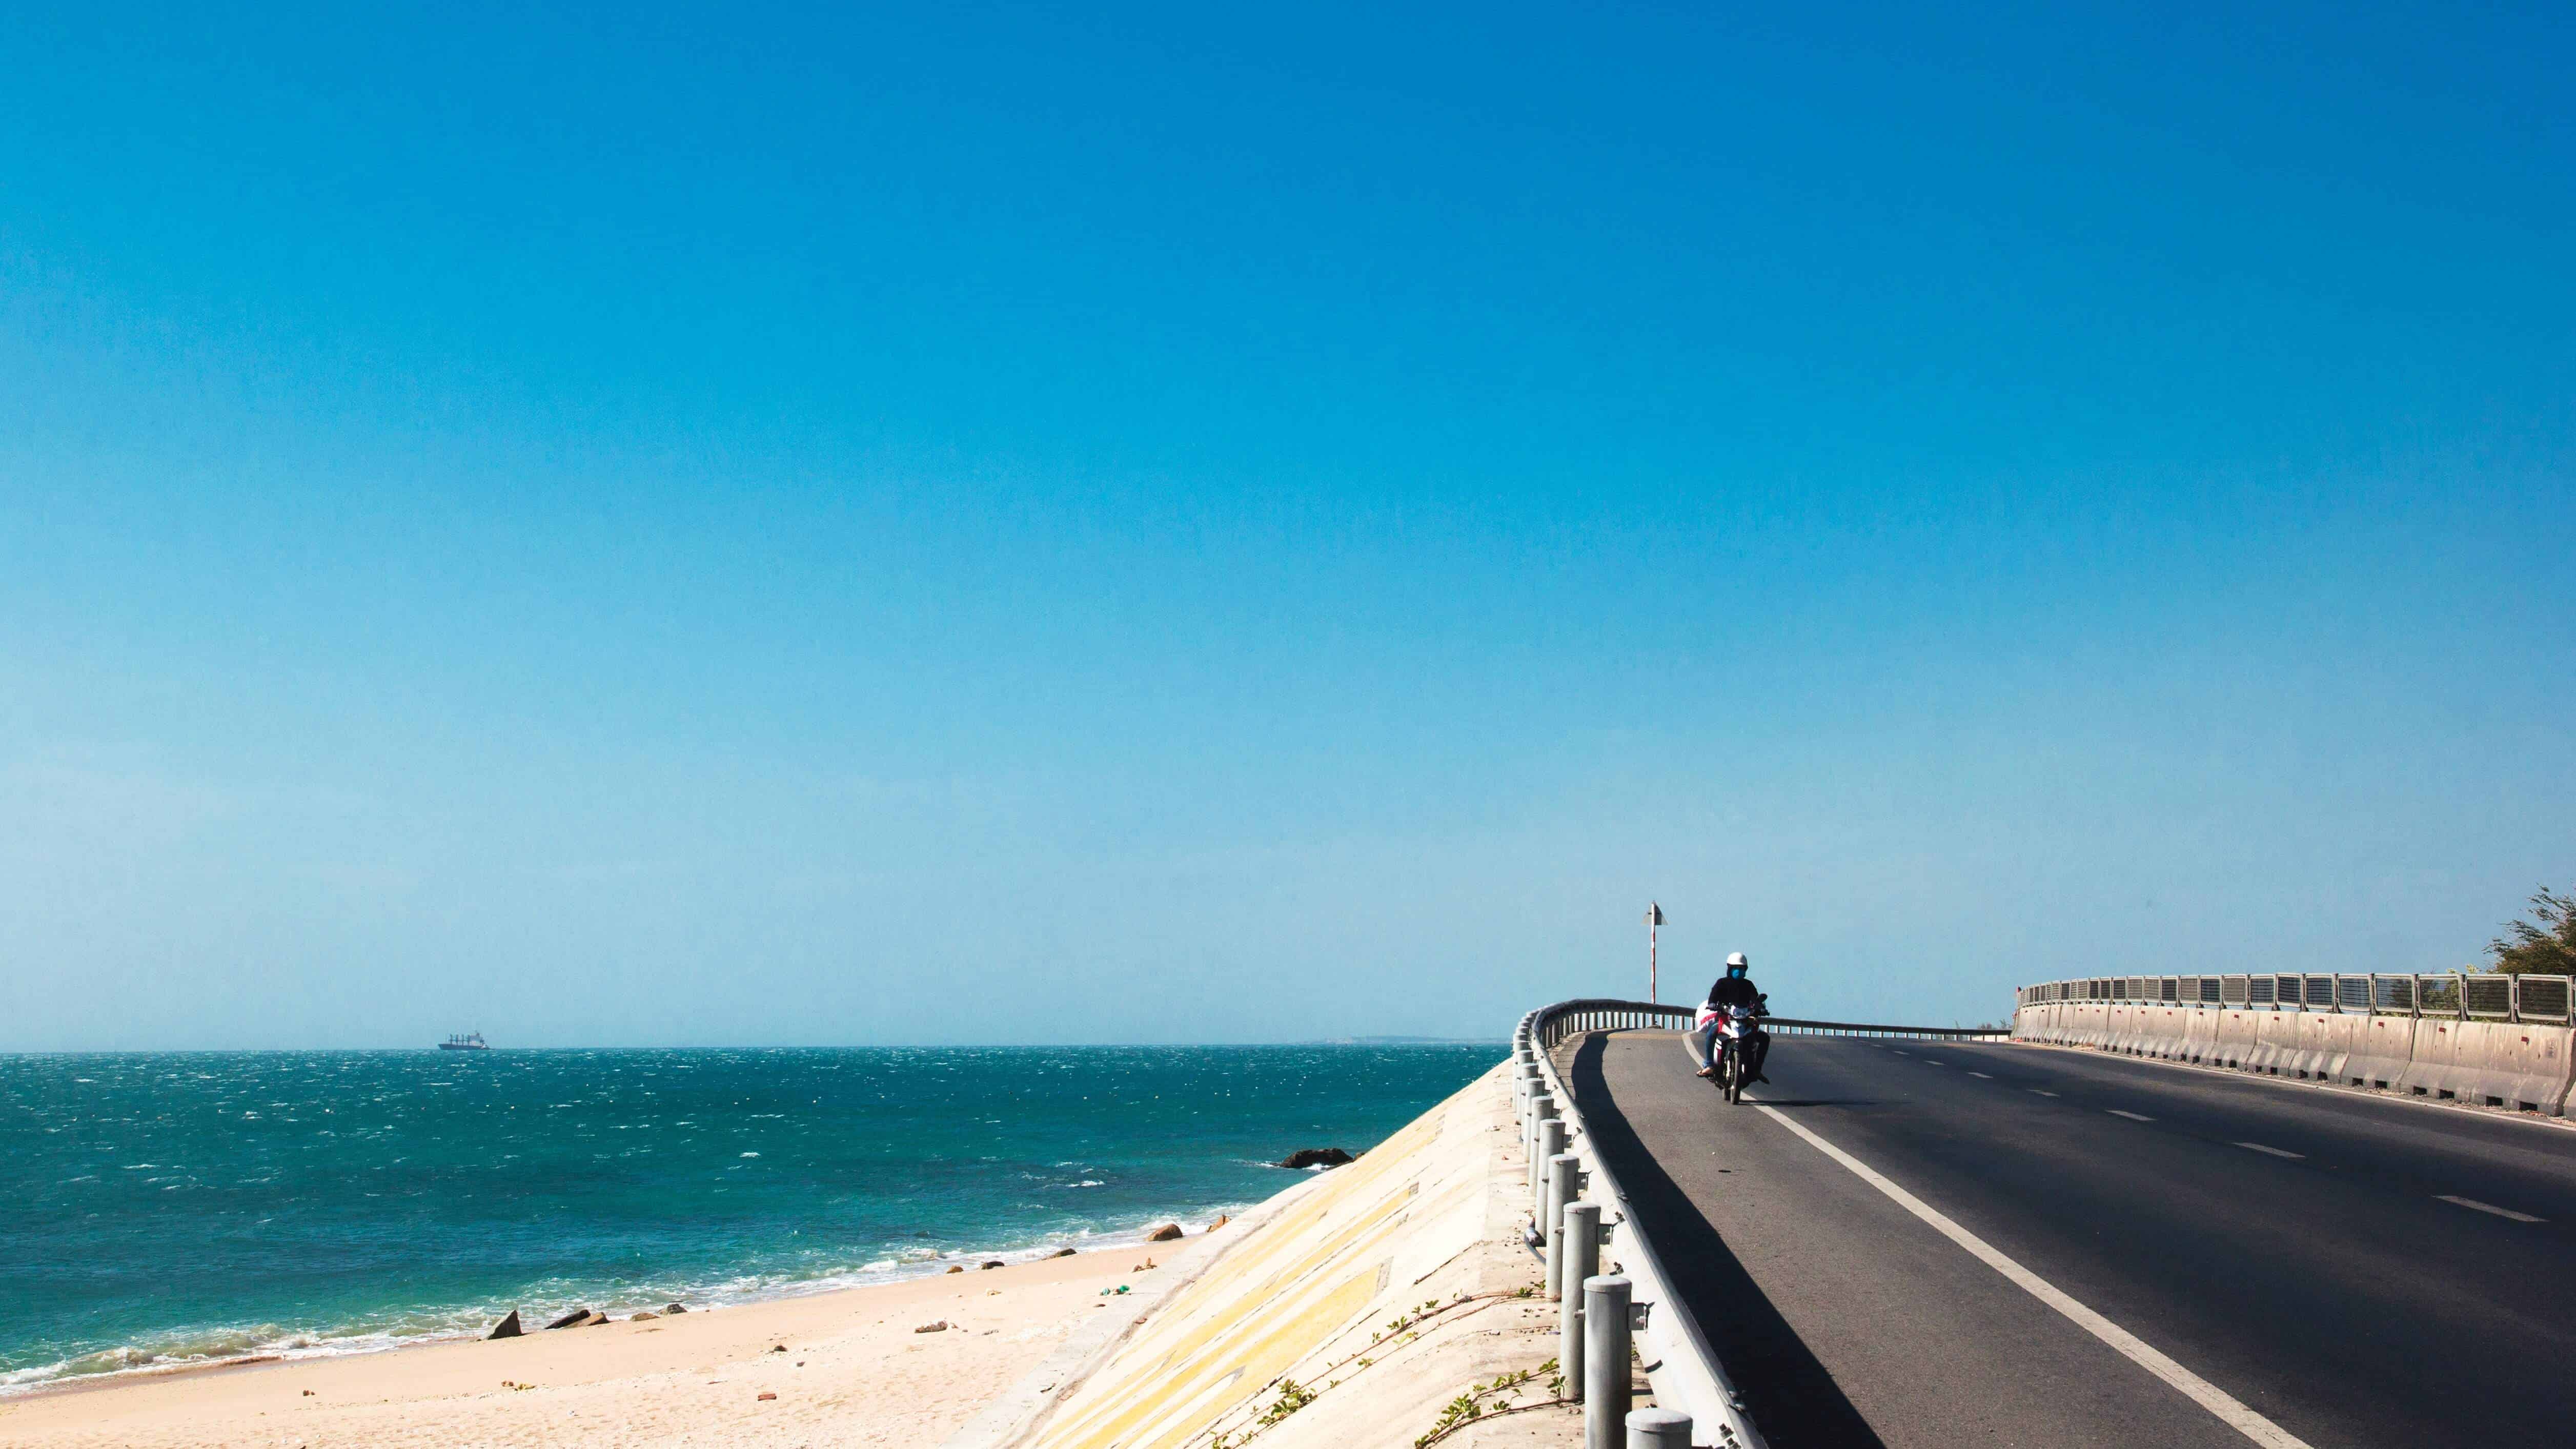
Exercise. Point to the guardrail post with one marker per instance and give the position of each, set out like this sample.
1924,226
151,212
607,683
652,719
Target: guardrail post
1605,1360
1551,1142
1581,1226
1658,1429
1564,1171
1542,1111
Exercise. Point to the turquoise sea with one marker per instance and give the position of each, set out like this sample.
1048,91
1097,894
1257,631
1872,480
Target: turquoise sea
165,1208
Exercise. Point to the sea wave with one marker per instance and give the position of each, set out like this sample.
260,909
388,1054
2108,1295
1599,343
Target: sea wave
213,1345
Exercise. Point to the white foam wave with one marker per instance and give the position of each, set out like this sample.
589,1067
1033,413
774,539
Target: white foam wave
215,1345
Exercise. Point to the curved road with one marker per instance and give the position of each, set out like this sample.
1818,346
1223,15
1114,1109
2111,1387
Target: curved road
2265,1264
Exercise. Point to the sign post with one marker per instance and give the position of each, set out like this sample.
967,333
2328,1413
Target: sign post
1654,918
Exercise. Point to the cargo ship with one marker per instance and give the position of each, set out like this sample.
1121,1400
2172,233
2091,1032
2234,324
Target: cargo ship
471,1041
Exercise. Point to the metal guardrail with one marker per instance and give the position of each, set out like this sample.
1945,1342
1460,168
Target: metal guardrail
1682,1368
2456,995
1793,1026
1684,1371
1567,1018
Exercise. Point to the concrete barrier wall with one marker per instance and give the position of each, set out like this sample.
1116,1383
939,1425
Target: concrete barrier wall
2166,1032
2508,1064
2199,1035
2235,1037
2541,1068
2117,1027
2433,1066
2276,1037
2490,1063
2322,1046
2092,1023
2382,1049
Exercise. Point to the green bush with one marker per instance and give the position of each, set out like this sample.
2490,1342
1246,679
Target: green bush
2545,946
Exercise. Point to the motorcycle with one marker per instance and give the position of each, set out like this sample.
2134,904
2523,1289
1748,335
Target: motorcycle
1728,1031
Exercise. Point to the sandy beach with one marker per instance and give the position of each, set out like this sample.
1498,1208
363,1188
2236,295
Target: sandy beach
854,1372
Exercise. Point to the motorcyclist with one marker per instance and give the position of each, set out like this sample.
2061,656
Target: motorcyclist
1735,988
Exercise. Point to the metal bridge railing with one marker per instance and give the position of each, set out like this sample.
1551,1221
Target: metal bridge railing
1571,1018
2457,995
1682,1368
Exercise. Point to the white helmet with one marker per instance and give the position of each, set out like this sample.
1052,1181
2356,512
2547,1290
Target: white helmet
1736,958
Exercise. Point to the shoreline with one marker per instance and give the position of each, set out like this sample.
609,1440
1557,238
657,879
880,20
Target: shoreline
929,1270
842,1366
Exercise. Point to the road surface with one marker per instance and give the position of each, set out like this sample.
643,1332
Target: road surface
2259,1263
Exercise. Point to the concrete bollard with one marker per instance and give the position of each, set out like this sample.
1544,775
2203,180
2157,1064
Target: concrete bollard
1581,1226
1551,1141
1605,1361
1564,1172
1658,1429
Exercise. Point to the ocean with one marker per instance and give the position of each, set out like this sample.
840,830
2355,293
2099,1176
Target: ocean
170,1208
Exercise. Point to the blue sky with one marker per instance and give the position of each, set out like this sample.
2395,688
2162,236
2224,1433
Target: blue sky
772,524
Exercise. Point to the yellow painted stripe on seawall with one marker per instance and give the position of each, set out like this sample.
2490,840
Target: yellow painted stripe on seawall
1259,1361
1228,1316
1204,1353
1240,1285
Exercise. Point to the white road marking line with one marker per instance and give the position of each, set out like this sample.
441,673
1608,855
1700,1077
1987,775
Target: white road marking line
1980,1074
2488,1207
2132,1116
1927,1061
2275,1151
2044,1094
2199,1390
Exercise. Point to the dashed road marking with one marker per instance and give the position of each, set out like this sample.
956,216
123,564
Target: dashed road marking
1980,1074
2132,1116
2488,1207
2137,1350
2043,1094
2274,1151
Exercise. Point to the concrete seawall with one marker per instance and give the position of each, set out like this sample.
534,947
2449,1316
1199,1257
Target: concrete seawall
1355,1308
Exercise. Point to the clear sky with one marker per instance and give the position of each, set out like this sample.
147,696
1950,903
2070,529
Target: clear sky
750,524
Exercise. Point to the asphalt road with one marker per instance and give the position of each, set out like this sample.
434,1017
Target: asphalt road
2298,1250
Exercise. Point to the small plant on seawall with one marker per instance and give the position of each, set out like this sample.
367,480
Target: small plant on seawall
1458,1411
1470,1406
1404,1328
1292,1397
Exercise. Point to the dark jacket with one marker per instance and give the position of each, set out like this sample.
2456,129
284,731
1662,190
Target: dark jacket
1735,991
